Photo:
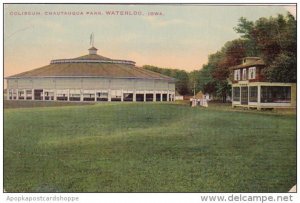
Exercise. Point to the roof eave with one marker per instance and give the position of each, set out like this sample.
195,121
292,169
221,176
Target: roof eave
245,66
26,77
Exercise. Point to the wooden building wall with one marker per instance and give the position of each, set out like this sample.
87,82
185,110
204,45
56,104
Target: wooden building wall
90,83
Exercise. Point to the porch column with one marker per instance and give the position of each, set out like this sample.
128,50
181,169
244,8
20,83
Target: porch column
81,95
109,95
258,96
32,94
144,96
154,96
43,95
17,94
122,95
68,95
134,96
25,94
161,96
54,95
168,96
95,96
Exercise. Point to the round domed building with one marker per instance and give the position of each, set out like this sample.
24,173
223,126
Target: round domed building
90,78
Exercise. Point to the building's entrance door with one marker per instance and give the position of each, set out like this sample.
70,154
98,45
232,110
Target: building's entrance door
244,95
38,94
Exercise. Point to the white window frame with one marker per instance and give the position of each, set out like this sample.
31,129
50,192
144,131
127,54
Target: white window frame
237,74
252,70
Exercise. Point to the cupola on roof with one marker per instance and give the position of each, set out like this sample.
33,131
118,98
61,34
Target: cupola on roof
93,50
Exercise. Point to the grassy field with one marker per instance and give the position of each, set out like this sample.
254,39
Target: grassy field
136,147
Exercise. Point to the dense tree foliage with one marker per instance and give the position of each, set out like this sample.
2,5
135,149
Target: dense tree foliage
181,76
276,41
213,77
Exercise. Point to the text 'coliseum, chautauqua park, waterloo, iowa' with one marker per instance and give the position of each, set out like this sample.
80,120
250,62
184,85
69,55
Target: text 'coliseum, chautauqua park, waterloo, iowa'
200,98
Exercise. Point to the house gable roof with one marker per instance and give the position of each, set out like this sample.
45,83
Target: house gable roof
255,61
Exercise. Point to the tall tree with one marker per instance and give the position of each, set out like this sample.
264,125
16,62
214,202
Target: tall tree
213,77
231,54
276,41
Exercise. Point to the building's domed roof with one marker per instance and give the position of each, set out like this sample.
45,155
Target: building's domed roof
92,65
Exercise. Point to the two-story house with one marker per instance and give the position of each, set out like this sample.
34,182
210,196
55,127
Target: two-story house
251,89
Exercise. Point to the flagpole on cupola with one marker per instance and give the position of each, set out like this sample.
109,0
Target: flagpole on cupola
92,50
92,39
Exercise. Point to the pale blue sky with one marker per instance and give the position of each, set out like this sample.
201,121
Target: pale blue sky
182,38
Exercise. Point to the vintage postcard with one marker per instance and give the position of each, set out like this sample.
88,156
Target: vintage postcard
172,98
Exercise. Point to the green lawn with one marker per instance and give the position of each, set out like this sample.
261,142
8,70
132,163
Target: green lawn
138,147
